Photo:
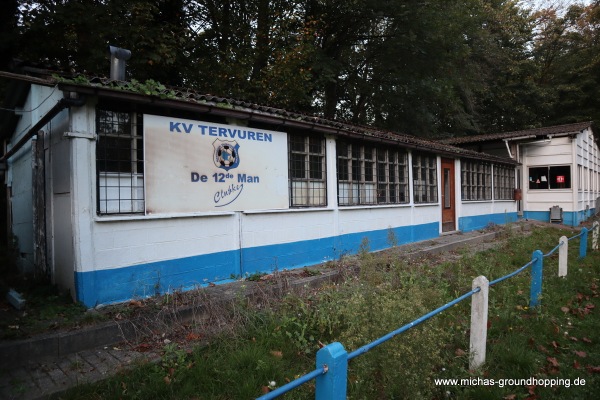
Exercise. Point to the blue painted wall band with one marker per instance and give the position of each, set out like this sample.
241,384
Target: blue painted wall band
473,223
144,280
571,218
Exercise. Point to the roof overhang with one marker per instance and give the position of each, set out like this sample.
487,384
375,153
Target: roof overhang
277,118
194,103
529,134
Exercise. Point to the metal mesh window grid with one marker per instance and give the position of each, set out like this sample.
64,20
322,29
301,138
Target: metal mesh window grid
371,175
476,180
425,186
119,163
308,184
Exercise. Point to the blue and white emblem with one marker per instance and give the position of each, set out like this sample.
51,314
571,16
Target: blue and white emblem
226,154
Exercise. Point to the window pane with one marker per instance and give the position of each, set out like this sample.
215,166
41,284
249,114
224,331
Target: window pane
356,175
560,177
297,143
298,167
382,193
316,167
342,165
538,178
368,171
381,167
315,145
447,199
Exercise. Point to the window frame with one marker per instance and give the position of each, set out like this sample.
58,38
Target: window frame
119,168
303,172
370,175
476,180
504,182
550,175
424,165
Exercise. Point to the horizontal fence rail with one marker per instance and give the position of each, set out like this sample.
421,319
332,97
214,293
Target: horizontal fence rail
332,360
524,267
294,384
375,343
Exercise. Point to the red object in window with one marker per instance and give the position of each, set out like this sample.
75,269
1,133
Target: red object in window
560,179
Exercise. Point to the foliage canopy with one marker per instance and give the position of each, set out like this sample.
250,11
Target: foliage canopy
427,68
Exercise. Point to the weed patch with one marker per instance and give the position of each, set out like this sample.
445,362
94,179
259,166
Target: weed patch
275,342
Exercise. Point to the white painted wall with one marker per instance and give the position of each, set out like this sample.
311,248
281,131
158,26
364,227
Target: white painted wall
80,241
20,176
587,153
476,208
108,242
364,219
582,154
557,151
267,228
126,242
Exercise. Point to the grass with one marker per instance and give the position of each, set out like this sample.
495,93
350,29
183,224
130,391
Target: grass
271,346
46,309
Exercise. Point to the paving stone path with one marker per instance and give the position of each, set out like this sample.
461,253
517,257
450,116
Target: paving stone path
38,380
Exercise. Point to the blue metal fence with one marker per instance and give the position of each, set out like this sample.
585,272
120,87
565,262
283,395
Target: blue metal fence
332,360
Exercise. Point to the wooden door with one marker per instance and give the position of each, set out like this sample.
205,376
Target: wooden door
448,197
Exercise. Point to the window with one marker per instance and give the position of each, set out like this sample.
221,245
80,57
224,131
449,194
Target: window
371,175
476,180
307,171
504,182
119,163
424,168
556,177
392,176
588,179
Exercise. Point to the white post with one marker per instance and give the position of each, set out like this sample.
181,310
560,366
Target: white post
596,231
563,256
479,319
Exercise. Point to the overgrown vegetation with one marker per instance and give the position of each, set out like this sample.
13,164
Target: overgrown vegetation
269,346
46,308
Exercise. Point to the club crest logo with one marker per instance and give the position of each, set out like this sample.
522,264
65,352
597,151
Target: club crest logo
226,154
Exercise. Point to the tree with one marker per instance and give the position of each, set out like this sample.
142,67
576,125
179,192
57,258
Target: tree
74,35
253,49
567,49
511,98
426,68
8,25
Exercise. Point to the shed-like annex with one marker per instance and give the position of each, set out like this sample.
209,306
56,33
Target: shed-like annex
117,194
560,167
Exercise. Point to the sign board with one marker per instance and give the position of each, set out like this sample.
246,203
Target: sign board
195,166
560,179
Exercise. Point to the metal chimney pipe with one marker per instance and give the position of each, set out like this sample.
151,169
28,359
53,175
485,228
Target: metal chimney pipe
118,56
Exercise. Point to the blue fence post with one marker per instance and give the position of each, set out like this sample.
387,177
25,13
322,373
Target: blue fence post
332,385
583,243
536,278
